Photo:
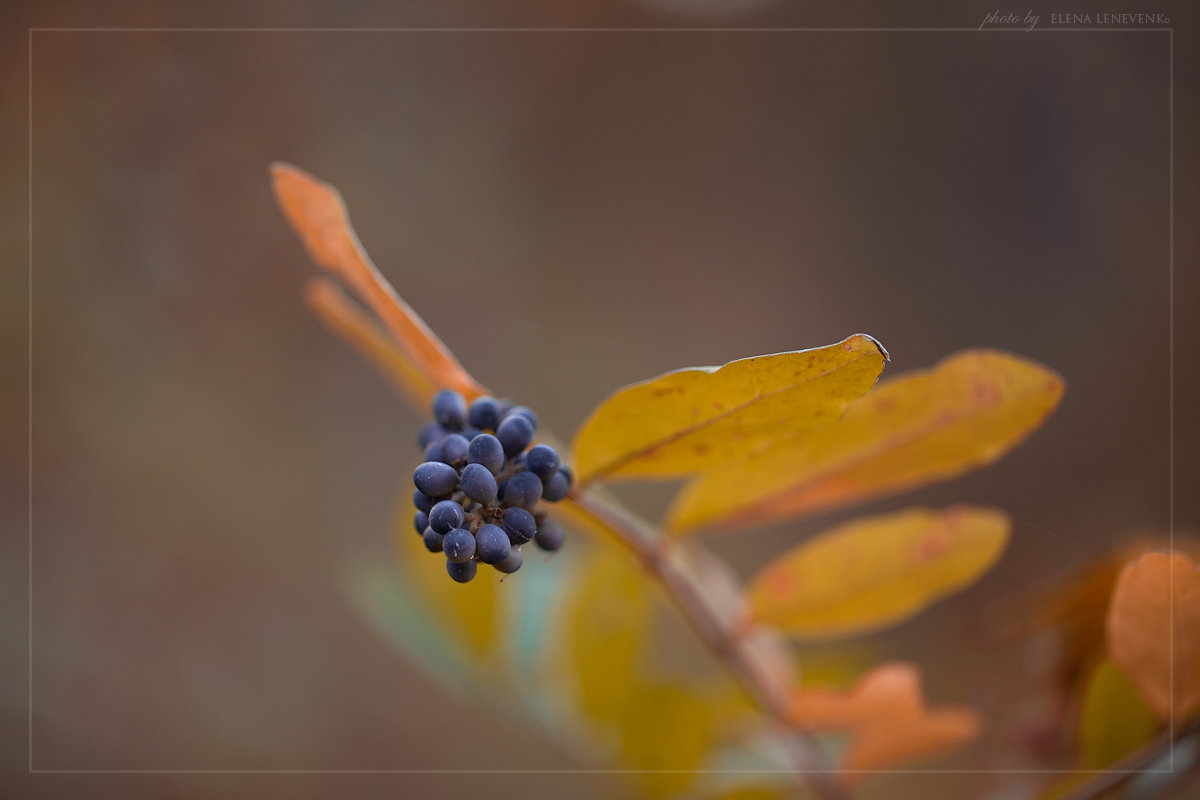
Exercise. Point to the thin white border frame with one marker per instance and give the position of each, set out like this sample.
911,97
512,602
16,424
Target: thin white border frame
1170,30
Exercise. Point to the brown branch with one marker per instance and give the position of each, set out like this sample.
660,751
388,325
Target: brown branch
1132,765
728,647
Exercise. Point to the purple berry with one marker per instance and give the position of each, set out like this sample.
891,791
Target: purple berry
422,501
454,448
449,409
461,573
542,461
459,545
523,489
519,524
484,413
433,540
549,536
491,544
512,563
515,433
557,487
435,479
478,483
446,516
486,449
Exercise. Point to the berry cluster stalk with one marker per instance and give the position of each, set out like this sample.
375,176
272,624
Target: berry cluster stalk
730,649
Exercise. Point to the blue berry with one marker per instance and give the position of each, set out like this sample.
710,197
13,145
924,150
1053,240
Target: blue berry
512,563
519,524
433,540
449,409
524,489
484,413
491,544
429,433
515,433
526,412
478,483
446,516
549,536
557,487
422,501
462,573
459,545
454,448
542,461
435,479
420,521
434,451
486,449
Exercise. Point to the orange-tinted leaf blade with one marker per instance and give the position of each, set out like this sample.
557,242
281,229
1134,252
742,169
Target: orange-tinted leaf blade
934,734
1154,631
876,571
347,320
886,716
694,419
914,429
317,213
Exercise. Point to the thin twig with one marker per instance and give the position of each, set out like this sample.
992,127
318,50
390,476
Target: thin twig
1131,765
729,648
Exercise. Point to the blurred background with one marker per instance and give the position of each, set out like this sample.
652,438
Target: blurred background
571,211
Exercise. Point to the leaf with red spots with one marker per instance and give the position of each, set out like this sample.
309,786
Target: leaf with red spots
695,419
914,429
876,571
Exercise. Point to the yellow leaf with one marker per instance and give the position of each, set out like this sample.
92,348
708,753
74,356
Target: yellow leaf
668,728
1114,720
694,419
1152,593
317,213
472,615
876,571
886,717
607,624
914,429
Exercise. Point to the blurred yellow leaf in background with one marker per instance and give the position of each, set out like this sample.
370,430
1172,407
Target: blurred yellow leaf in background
472,614
1114,719
914,429
1152,593
607,623
876,571
667,727
695,419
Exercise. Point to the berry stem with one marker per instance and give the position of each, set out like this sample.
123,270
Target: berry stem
730,648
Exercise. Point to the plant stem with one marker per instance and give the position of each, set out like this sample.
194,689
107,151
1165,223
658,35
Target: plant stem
1133,764
728,647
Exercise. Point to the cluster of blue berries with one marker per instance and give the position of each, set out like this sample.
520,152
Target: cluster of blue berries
479,486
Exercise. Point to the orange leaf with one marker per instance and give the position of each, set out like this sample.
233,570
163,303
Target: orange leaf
316,211
886,717
347,320
1152,593
914,429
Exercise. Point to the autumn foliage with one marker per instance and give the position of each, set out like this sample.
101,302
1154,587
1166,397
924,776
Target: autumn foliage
797,432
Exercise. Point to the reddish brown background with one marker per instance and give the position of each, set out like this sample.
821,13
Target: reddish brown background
571,211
